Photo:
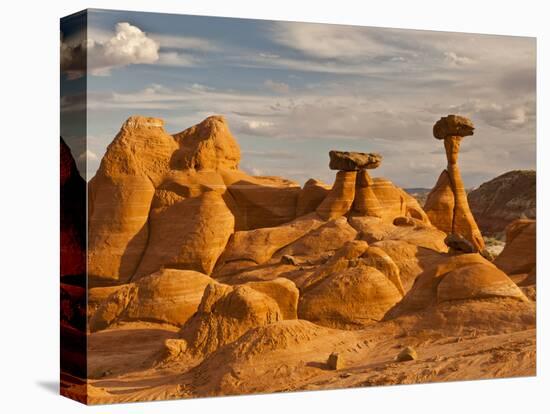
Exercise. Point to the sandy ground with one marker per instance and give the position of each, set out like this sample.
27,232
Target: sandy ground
462,341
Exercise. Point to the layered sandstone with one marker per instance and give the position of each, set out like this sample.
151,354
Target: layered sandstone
447,204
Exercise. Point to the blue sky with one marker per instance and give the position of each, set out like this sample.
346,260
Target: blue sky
293,91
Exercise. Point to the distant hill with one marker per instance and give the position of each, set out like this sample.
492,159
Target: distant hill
503,199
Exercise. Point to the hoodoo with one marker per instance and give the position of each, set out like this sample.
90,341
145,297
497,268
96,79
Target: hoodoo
447,204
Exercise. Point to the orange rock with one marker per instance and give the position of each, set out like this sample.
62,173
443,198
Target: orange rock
379,259
351,299
520,252
452,213
259,245
328,237
261,201
190,234
340,198
339,262
477,281
226,313
365,202
207,145
121,193
167,296
313,193
440,204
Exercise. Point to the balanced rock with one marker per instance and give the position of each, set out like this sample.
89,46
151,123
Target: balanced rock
460,219
453,125
353,161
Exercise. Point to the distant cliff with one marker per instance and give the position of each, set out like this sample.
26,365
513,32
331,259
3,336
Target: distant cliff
505,198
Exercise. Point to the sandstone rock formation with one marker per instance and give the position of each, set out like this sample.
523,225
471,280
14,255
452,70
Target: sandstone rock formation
225,313
353,298
313,193
353,161
219,282
447,204
340,198
207,145
508,197
120,196
520,252
168,296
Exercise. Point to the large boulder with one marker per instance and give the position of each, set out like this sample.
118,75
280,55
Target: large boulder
352,299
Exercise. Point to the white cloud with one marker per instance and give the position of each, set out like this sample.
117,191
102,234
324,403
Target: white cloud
129,45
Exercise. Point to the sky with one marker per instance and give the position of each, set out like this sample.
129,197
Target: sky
293,91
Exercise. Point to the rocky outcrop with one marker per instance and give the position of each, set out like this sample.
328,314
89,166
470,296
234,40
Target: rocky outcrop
225,313
353,161
259,245
167,296
340,198
520,252
313,193
477,281
190,234
447,205
500,201
120,196
326,238
207,145
353,298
